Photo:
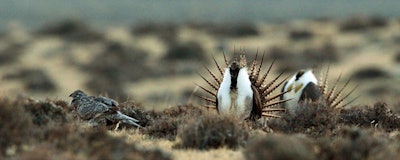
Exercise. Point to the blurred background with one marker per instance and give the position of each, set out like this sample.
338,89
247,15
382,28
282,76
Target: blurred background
152,51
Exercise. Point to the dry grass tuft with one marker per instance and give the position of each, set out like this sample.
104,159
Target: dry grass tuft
46,112
312,118
165,124
135,110
376,116
209,132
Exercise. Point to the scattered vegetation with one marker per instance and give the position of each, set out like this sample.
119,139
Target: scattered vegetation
35,80
166,31
370,73
32,129
185,51
113,87
235,30
290,61
362,24
115,65
119,62
228,30
71,30
11,53
397,57
300,35
51,131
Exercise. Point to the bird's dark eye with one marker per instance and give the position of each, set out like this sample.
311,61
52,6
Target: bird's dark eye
299,74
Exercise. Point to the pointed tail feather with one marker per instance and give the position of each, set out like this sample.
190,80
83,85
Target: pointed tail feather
130,122
122,116
126,119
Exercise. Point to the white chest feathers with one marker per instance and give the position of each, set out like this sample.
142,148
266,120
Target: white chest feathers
237,99
295,87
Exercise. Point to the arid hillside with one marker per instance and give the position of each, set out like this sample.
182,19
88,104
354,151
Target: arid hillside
153,69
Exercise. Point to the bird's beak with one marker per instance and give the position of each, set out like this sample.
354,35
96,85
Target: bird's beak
70,95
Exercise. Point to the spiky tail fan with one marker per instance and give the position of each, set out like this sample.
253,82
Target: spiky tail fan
259,84
335,97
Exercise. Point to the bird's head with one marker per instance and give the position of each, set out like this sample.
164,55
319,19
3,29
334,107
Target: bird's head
234,68
300,80
77,94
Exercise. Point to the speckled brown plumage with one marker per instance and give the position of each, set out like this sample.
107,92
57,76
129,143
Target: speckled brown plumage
99,108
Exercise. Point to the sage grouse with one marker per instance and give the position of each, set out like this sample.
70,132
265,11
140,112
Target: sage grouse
99,109
243,91
304,87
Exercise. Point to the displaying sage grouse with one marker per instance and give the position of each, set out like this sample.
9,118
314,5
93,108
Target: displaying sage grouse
304,87
243,91
100,108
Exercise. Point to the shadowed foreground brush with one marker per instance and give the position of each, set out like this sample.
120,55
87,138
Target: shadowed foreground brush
348,143
208,132
46,151
279,147
38,130
356,143
88,143
15,124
